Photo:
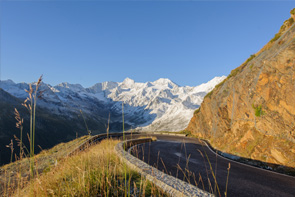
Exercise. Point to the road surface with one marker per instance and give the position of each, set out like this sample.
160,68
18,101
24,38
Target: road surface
185,158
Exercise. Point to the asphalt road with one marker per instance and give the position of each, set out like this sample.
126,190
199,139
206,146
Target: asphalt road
185,158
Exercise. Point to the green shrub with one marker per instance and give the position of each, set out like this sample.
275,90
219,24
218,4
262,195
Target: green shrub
233,73
250,58
258,110
209,94
216,87
291,21
197,111
292,12
276,37
220,84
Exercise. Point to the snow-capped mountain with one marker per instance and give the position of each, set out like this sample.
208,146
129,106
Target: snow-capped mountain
154,106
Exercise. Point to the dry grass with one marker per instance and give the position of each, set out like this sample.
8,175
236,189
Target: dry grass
94,172
18,172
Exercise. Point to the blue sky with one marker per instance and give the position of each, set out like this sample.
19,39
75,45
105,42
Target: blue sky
95,41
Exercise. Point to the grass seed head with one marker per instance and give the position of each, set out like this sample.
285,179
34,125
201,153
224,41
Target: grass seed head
19,120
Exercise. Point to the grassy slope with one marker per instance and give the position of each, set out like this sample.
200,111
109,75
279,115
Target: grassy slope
95,171
45,160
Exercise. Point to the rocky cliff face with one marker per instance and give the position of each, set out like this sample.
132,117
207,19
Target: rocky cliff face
252,112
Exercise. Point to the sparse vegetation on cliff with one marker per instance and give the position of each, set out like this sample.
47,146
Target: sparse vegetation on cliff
291,21
233,73
220,84
258,110
250,58
209,94
288,23
197,111
276,37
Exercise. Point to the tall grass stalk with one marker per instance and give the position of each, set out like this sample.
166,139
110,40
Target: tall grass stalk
11,149
108,160
225,193
213,174
31,106
85,122
34,112
125,167
19,124
209,183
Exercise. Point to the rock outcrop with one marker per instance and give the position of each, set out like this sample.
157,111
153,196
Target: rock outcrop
252,112
293,14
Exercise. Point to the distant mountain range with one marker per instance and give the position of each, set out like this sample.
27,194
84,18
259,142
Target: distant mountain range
161,105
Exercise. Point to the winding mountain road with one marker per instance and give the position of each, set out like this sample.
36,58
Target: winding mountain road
185,158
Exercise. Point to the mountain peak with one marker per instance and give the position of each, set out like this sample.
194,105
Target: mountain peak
74,87
63,84
128,82
8,81
165,82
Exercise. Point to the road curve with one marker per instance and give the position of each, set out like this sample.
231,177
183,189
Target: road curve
182,157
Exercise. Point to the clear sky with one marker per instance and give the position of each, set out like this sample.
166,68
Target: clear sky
87,42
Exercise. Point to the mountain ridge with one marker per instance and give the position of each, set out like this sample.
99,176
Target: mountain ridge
154,97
